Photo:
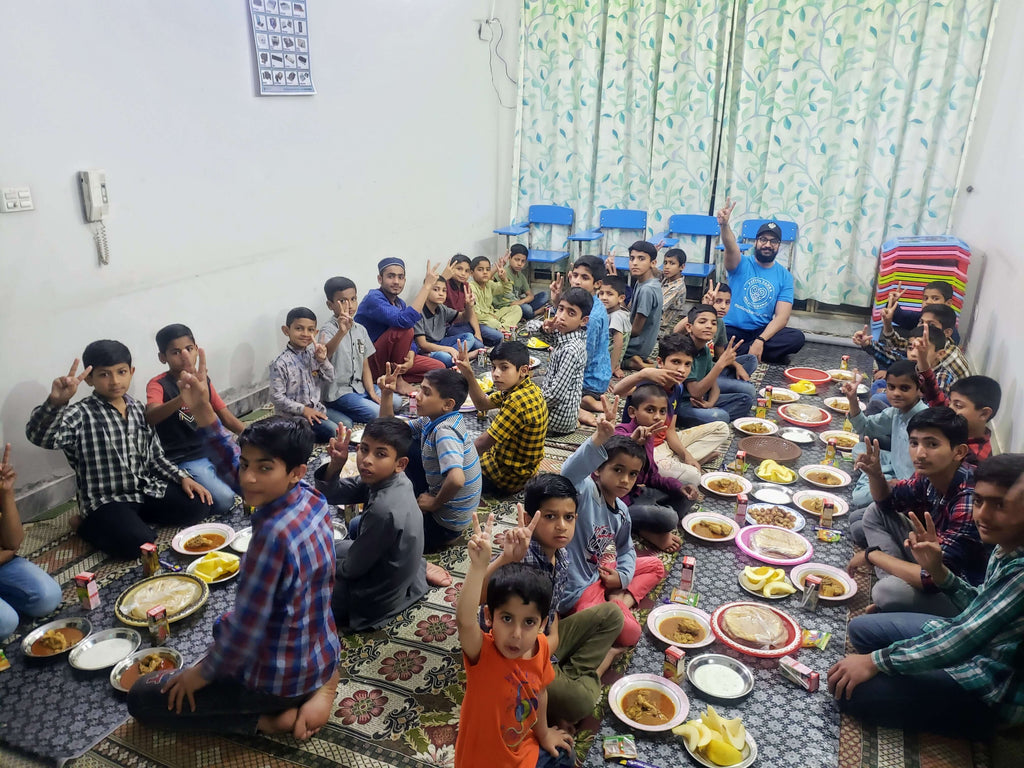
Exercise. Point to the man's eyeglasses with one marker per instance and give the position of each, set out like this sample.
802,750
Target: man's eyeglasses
765,239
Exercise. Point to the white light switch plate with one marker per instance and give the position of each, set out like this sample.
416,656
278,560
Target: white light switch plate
15,199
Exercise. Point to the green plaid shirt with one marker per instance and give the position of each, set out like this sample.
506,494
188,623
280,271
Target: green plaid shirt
981,647
518,430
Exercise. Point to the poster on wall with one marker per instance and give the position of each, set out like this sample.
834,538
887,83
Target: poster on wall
280,34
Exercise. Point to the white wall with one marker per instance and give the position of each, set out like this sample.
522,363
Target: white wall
989,220
227,208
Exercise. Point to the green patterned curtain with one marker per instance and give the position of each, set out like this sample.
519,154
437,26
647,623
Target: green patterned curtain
849,118
609,114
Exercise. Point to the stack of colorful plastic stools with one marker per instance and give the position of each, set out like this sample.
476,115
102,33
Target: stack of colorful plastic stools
912,263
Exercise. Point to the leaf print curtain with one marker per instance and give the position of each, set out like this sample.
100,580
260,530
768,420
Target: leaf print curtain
609,115
849,118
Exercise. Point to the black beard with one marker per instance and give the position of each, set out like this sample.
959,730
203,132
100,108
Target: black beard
764,258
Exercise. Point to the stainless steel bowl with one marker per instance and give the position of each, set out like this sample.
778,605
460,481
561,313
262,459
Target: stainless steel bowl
78,658
781,498
121,666
82,624
709,659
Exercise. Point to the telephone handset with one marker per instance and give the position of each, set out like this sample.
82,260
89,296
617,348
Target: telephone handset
94,194
96,204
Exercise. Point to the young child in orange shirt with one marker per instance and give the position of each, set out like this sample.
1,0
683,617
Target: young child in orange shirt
503,723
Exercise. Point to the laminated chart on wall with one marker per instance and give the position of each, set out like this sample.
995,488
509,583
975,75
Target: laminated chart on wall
280,33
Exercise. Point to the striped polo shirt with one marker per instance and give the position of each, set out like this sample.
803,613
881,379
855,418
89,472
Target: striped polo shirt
446,445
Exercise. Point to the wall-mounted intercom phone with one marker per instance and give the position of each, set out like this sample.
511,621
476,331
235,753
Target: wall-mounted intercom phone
94,194
96,204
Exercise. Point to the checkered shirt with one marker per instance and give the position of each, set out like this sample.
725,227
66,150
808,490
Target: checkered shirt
114,457
563,382
518,431
981,647
557,571
963,552
280,637
296,377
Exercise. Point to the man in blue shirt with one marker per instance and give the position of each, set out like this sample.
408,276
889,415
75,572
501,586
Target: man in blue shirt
389,321
762,294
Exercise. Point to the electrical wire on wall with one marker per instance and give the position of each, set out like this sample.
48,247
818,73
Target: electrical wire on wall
493,41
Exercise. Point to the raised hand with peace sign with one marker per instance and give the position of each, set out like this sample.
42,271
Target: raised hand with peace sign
606,420
63,388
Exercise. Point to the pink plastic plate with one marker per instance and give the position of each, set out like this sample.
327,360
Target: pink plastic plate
824,417
745,538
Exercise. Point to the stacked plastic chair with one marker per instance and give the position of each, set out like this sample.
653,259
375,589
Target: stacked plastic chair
913,262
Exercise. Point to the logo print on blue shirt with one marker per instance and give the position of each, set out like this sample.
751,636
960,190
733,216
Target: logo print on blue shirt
759,293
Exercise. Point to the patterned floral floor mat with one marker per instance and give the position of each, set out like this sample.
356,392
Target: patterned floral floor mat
398,703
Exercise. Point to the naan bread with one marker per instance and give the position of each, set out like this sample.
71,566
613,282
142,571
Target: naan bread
173,594
754,626
774,541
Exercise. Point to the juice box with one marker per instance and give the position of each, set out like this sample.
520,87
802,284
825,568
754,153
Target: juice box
88,590
675,665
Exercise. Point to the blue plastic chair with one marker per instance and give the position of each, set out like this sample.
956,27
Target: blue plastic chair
690,224
550,215
613,218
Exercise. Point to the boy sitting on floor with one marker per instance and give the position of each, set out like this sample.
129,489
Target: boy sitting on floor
504,717
935,292
273,665
168,414
432,331
612,295
484,290
604,469
645,307
124,480
973,659
567,335
673,290
587,274
712,397
297,374
976,398
582,641
381,570
512,447
679,453
350,396
656,503
888,427
443,465
942,486
521,294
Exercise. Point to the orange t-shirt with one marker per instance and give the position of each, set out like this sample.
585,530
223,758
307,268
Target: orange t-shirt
500,708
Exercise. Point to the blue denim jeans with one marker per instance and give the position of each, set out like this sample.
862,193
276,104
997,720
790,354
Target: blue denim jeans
25,589
472,342
203,472
917,702
357,408
491,336
730,406
530,308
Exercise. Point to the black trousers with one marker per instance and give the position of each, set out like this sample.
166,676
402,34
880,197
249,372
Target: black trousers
120,527
224,706
788,341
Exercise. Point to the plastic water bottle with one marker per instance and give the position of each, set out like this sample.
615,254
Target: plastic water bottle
413,408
